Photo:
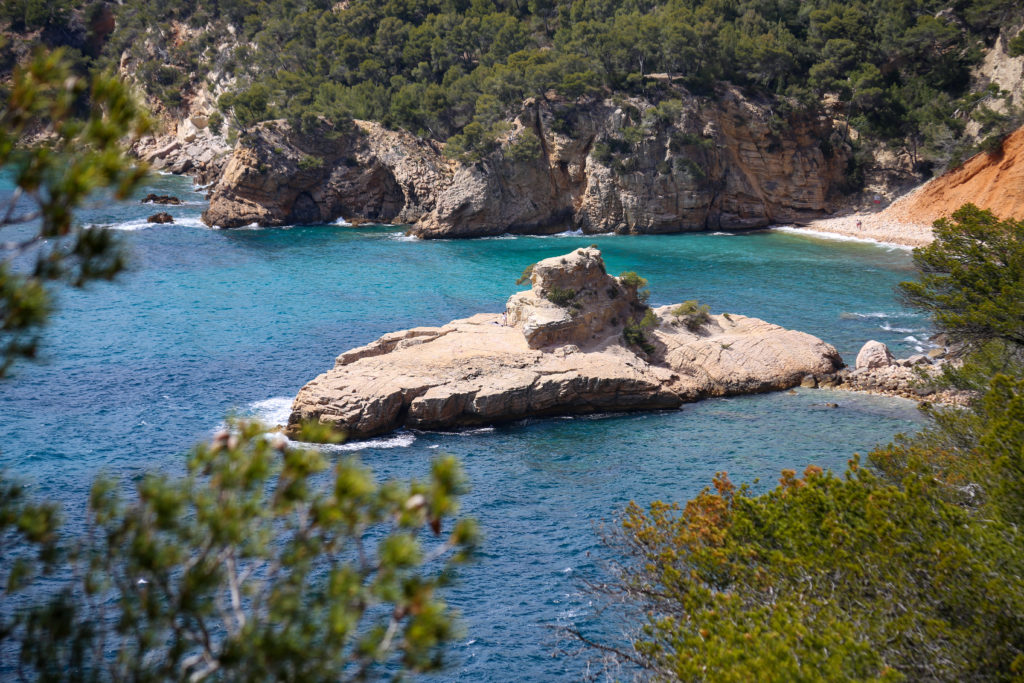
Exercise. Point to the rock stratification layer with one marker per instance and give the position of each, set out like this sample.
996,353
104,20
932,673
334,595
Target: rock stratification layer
542,358
599,166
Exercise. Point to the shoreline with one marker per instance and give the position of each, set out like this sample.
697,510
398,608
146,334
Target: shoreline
874,227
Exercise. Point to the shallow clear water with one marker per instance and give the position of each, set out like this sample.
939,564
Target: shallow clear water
206,322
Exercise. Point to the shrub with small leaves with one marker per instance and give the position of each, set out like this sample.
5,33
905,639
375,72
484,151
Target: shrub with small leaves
560,296
310,163
693,314
526,275
631,280
635,331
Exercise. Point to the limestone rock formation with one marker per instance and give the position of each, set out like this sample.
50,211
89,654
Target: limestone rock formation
278,177
727,162
874,354
553,358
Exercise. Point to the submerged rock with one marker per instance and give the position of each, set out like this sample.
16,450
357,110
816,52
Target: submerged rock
559,349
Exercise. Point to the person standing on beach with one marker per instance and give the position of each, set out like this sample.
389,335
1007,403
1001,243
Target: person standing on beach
859,225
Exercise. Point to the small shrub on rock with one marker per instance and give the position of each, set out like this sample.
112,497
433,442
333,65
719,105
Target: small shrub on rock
693,314
635,331
633,281
561,297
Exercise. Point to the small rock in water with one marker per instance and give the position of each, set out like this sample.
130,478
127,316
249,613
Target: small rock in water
831,405
161,199
808,382
160,218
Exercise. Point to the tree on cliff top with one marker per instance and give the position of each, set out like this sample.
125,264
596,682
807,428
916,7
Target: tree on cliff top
259,563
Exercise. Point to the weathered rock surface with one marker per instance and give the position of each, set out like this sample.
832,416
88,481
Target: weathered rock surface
279,177
874,354
726,162
553,360
878,372
161,199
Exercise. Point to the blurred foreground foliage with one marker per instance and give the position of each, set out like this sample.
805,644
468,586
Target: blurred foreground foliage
264,561
62,138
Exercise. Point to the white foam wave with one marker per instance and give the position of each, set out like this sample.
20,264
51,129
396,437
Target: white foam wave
143,224
402,237
862,316
203,188
567,233
399,440
724,234
506,236
465,432
889,328
806,232
273,411
912,339
341,221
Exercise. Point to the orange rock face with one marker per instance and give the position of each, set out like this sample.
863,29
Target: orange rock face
988,181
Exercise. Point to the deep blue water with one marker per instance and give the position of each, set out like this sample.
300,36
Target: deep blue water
206,322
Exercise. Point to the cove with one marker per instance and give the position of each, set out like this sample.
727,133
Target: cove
206,322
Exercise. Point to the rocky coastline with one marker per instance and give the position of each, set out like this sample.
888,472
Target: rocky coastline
598,166
567,346
877,371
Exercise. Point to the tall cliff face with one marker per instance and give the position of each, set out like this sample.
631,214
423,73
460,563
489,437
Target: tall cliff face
601,167
279,177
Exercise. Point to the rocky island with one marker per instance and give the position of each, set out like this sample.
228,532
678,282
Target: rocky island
579,341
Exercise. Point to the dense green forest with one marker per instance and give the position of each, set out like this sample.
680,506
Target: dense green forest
897,70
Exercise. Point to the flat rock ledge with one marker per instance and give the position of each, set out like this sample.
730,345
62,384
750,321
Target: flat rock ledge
540,358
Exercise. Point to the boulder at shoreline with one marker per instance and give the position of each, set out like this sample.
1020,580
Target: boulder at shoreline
541,358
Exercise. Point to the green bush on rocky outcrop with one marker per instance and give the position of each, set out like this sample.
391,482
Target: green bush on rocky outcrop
560,296
693,314
638,284
635,331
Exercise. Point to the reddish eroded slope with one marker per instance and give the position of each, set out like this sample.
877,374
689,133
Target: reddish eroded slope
990,182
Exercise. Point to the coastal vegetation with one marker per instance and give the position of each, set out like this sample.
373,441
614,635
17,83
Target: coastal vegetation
635,330
693,314
453,70
907,569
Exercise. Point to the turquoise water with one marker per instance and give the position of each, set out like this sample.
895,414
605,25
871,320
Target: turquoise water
206,322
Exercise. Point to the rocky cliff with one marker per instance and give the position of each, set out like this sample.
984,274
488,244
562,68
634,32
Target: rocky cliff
278,177
547,358
602,166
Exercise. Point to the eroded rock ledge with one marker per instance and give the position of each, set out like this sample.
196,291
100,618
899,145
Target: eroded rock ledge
543,359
